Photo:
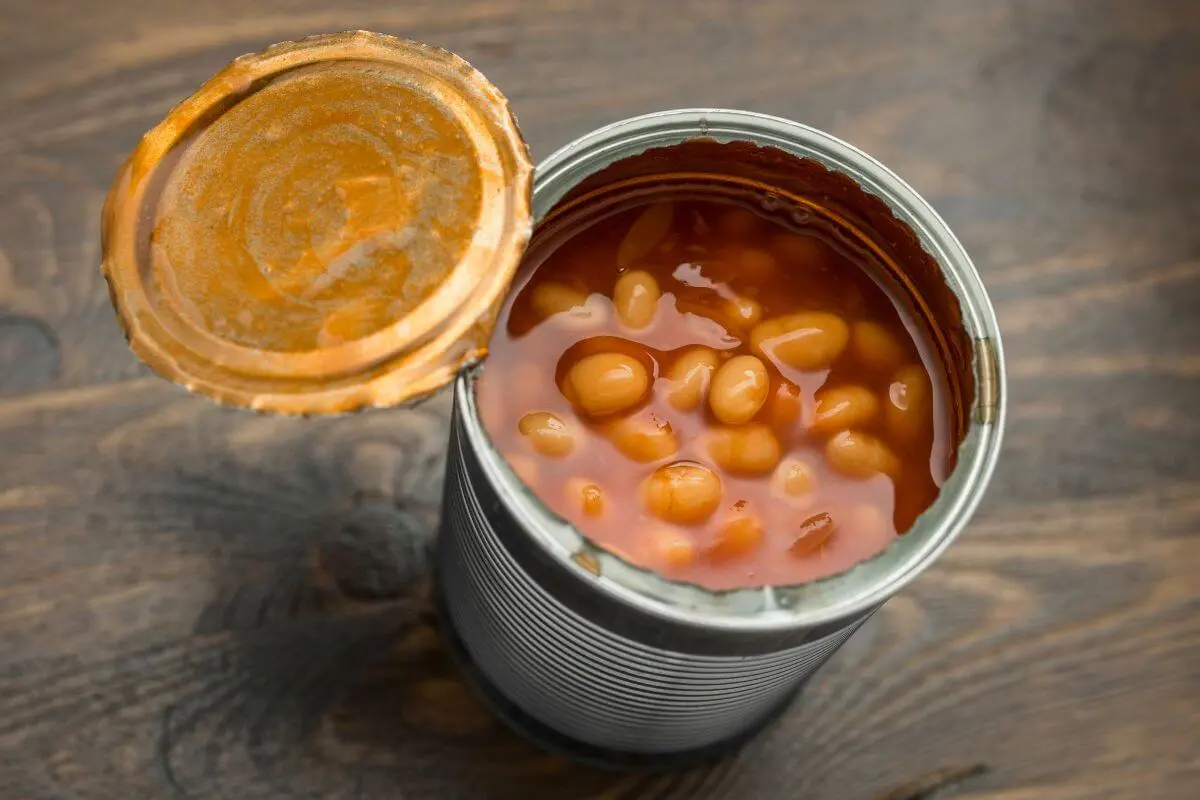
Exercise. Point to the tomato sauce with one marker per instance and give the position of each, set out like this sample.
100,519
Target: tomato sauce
728,395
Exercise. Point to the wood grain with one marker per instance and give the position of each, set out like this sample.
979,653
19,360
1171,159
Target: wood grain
196,602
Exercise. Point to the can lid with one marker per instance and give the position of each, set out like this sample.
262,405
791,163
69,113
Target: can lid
323,226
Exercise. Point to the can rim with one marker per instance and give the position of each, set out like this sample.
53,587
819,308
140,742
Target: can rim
870,582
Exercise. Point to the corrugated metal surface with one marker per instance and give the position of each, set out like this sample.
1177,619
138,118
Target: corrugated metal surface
581,679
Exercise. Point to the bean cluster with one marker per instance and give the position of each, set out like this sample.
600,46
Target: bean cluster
732,435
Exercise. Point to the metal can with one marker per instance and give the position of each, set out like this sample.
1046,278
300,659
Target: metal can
611,663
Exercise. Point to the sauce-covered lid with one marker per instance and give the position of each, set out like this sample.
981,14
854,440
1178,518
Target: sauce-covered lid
326,225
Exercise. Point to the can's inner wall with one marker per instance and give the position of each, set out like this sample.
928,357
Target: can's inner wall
912,272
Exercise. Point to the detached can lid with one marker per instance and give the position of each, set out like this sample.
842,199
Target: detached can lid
327,225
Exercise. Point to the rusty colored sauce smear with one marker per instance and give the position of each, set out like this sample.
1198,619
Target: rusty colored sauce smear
711,253
316,211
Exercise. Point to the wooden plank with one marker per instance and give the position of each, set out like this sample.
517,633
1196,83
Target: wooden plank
201,602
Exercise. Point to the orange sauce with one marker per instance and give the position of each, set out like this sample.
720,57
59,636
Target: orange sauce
765,410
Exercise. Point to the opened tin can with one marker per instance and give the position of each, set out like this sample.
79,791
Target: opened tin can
609,662
332,224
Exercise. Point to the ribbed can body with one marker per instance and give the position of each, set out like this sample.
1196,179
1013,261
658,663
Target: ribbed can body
603,678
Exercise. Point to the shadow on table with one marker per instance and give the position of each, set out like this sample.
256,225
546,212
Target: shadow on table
316,668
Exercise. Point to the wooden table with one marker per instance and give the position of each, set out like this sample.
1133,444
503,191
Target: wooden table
207,603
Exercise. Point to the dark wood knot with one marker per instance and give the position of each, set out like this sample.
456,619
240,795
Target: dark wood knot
377,550
30,357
